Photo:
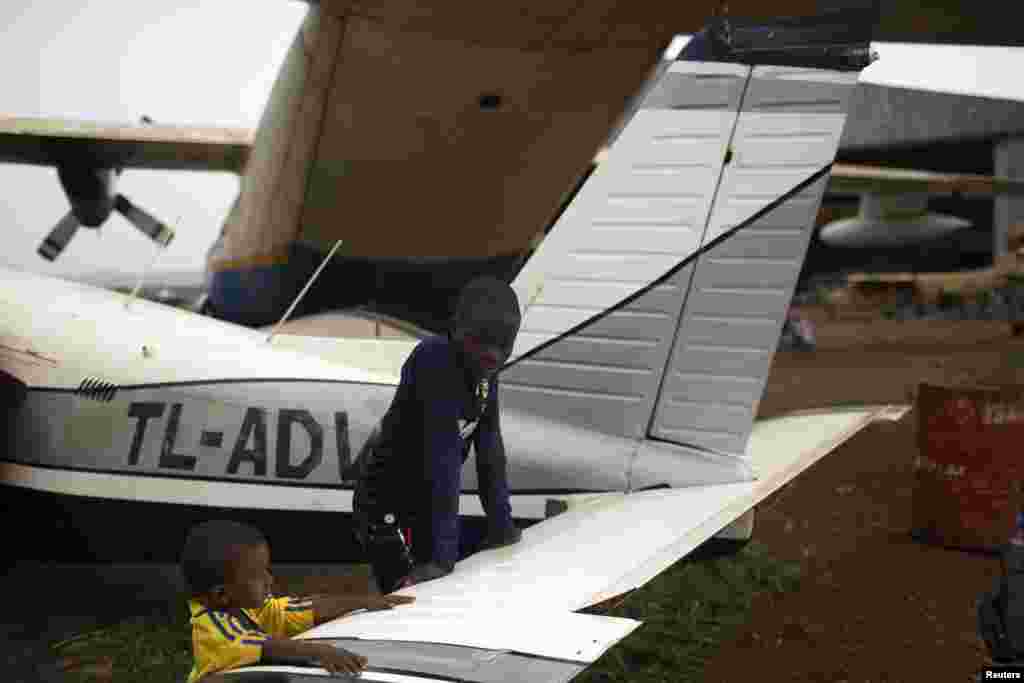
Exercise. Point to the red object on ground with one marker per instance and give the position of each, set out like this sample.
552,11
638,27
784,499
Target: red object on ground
970,469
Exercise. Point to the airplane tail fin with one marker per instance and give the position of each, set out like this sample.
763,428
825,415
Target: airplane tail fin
653,308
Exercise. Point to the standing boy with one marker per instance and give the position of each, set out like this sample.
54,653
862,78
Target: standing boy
410,476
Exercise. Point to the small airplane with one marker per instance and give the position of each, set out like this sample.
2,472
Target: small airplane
90,156
893,205
652,311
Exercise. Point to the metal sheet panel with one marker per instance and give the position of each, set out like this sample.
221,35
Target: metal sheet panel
642,212
552,633
612,542
605,377
398,662
788,130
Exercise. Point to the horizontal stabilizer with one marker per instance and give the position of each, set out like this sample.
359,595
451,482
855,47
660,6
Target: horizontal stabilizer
583,637
607,544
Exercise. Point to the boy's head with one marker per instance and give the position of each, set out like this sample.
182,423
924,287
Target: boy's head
227,564
487,321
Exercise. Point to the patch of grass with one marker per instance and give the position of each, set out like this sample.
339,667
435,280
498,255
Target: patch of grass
688,611
152,649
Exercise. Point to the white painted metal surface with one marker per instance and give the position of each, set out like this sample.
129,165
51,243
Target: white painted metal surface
239,495
607,544
779,449
88,327
647,205
684,361
531,630
860,232
642,211
788,130
382,676
221,380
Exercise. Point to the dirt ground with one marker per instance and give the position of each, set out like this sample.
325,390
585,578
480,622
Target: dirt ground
874,605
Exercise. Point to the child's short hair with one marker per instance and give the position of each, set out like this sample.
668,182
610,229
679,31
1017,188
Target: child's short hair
208,549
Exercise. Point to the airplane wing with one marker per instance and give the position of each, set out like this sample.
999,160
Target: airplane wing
513,608
860,179
49,141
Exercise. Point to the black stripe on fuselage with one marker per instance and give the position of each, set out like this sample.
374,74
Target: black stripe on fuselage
215,382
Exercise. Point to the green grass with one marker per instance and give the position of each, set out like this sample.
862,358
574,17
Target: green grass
688,611
153,649
950,299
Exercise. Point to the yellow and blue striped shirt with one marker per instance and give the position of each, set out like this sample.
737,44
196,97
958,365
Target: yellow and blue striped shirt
227,639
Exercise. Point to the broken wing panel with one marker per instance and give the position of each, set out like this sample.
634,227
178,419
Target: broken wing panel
545,632
606,544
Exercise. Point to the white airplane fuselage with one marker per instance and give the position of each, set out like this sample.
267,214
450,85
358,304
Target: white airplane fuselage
135,401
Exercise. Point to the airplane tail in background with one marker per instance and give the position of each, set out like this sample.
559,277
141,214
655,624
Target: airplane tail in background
653,309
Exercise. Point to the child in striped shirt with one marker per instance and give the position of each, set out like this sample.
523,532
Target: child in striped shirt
237,622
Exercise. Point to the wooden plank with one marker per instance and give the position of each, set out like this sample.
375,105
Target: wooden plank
855,178
406,149
46,141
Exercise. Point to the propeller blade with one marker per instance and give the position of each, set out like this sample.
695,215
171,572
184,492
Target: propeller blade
154,229
59,237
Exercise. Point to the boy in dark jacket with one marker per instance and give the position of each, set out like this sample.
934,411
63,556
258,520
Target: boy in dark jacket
407,497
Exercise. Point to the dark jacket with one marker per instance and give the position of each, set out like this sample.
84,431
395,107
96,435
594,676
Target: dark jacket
416,465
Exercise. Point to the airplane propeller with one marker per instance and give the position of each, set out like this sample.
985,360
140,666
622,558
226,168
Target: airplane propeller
90,191
59,237
143,220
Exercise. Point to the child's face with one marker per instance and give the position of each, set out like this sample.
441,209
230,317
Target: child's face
249,579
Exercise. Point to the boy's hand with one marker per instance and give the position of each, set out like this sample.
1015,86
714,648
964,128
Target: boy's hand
328,607
498,538
375,603
340,661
